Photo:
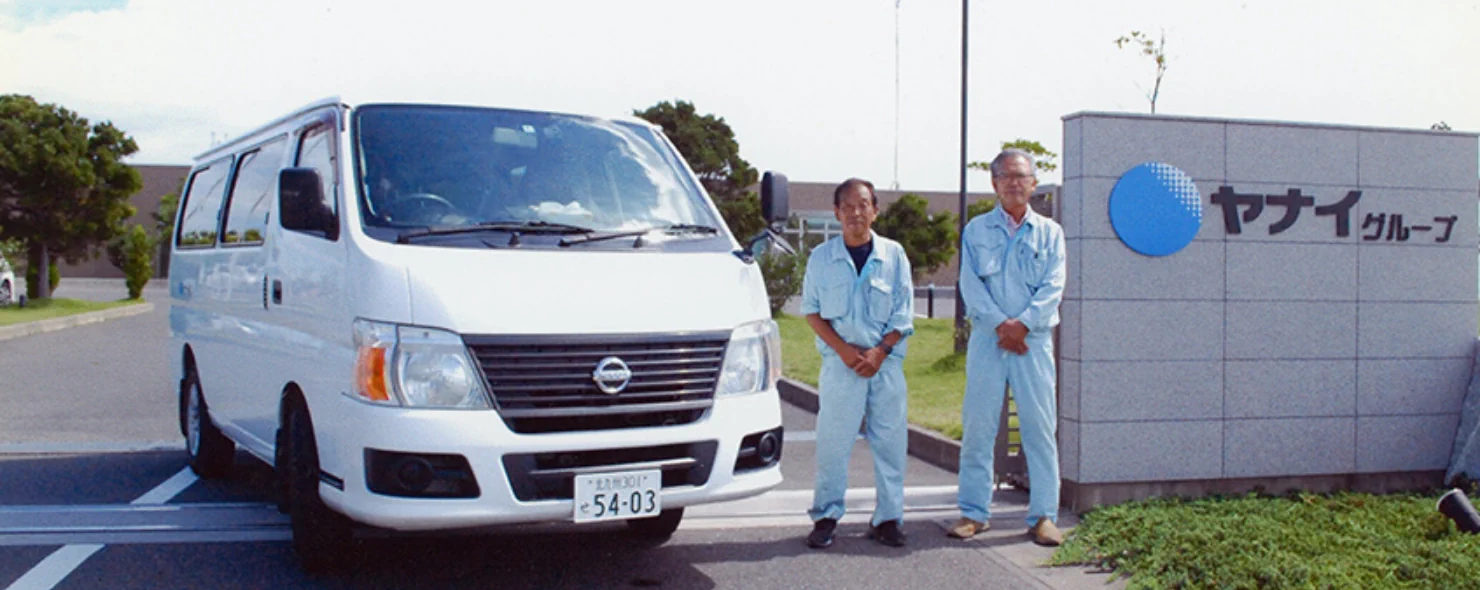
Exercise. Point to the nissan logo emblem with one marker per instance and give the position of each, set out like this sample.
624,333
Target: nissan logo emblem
611,375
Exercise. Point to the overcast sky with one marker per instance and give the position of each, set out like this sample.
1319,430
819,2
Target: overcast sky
807,85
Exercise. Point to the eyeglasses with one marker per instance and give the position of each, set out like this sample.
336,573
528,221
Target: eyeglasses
1012,177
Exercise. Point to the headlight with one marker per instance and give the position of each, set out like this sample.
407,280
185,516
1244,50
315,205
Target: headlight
416,367
752,359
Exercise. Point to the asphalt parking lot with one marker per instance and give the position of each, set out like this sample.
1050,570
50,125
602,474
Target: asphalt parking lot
95,493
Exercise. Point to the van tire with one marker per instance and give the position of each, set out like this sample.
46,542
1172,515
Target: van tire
321,536
211,453
658,528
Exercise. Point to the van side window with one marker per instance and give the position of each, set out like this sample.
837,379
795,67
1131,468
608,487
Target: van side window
202,206
252,194
316,150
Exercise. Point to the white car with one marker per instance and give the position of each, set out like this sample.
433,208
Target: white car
8,288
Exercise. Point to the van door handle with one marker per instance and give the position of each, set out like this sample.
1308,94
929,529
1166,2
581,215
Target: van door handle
277,292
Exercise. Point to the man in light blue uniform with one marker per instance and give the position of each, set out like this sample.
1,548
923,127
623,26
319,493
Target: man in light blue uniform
1012,280
859,298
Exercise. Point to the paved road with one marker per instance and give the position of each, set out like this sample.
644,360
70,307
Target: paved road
92,387
78,512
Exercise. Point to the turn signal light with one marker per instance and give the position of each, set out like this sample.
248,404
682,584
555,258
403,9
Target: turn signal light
370,375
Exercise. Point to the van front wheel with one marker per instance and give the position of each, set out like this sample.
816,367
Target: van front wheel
211,453
321,536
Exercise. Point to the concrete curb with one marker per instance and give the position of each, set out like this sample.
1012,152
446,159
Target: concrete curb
72,321
925,445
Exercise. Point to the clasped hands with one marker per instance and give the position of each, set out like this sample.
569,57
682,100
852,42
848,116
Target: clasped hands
864,361
1012,335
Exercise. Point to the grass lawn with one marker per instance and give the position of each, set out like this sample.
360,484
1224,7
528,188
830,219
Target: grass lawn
46,309
1343,540
935,374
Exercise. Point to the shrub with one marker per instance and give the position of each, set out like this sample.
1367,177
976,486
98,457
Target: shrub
138,256
783,273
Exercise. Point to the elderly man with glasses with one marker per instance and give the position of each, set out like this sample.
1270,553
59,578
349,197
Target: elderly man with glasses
1012,280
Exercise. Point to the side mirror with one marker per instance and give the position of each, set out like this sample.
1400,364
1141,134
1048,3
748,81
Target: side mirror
301,203
775,197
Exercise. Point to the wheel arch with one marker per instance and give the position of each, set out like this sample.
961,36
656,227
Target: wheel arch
292,398
187,368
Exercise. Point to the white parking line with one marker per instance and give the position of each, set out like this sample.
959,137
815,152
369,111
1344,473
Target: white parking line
62,562
169,489
57,566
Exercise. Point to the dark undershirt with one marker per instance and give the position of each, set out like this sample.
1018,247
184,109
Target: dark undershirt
860,254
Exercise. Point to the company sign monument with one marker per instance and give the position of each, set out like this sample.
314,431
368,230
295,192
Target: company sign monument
1262,305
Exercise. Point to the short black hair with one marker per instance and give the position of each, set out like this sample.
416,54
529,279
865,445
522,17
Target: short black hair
848,185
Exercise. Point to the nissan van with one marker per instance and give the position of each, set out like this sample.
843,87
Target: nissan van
437,317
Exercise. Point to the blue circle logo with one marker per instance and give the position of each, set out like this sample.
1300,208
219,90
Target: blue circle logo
1155,209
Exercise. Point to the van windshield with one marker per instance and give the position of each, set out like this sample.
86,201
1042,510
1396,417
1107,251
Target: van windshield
453,167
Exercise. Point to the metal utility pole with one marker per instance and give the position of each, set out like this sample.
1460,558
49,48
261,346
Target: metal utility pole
962,332
895,181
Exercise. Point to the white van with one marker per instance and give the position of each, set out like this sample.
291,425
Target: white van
436,317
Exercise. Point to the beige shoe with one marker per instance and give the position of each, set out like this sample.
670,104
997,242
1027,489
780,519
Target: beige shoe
1046,534
967,528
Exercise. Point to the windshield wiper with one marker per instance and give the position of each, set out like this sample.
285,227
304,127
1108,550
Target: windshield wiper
542,227
638,233
689,227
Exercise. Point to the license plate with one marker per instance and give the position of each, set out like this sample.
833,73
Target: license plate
618,496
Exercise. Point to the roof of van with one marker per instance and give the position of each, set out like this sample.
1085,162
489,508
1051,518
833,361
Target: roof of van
253,135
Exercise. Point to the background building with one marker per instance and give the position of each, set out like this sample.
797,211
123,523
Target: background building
159,180
812,212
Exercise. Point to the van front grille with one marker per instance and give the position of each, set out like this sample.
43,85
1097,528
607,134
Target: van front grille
549,383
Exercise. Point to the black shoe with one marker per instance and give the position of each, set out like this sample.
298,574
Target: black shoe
888,533
821,536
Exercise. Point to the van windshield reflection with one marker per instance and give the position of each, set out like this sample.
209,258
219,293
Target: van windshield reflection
427,171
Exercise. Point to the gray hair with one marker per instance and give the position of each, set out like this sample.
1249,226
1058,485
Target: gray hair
1010,153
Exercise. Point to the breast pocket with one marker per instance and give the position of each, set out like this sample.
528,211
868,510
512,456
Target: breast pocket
880,300
1031,261
833,302
988,259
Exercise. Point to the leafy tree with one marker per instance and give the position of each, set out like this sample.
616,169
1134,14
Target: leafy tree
1043,158
1441,126
138,254
63,186
708,145
164,226
929,239
1156,50
164,218
53,276
980,207
783,273
742,214
11,251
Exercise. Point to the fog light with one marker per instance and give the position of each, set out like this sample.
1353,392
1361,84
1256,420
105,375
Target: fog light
419,475
414,474
759,450
768,447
